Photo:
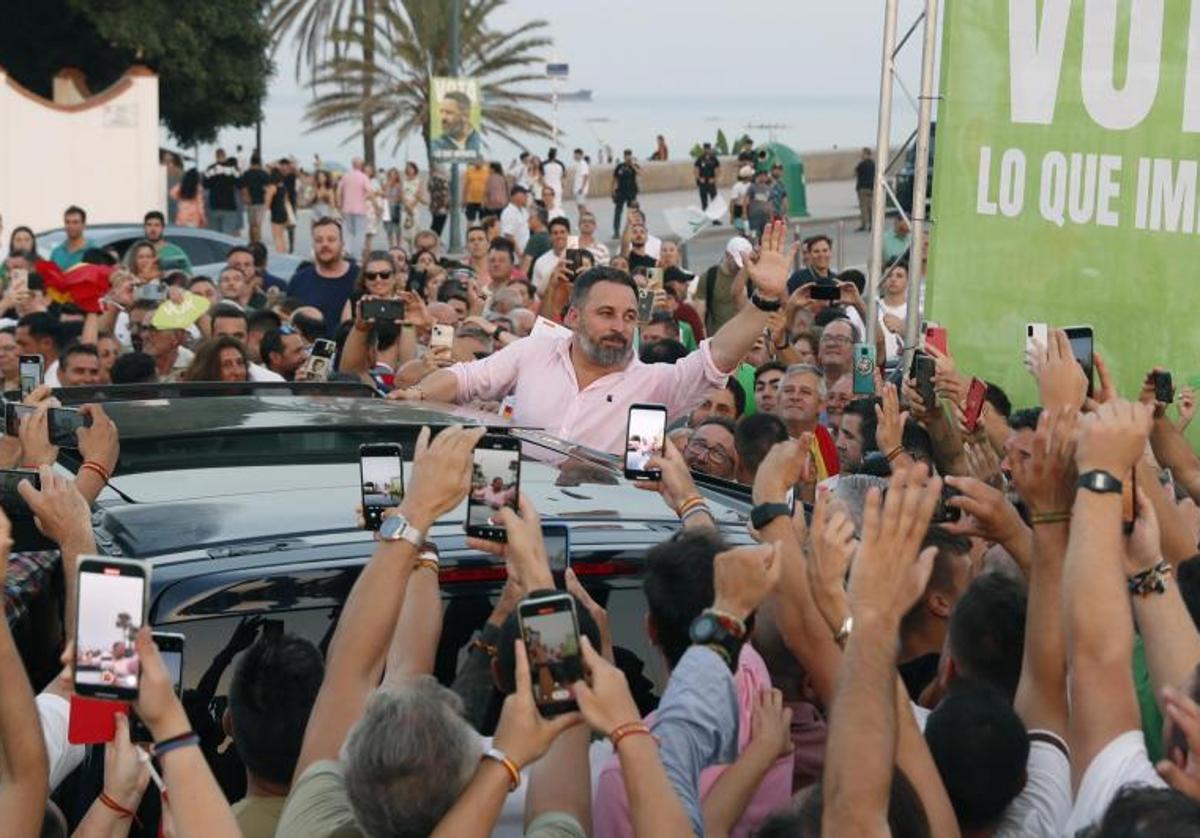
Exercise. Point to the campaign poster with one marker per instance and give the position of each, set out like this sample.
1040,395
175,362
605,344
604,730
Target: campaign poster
455,114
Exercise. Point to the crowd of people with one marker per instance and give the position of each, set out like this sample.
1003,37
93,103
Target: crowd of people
949,624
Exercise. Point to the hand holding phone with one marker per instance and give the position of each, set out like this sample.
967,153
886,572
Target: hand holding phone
1083,348
644,435
550,629
443,336
495,484
976,394
30,369
383,311
381,469
111,609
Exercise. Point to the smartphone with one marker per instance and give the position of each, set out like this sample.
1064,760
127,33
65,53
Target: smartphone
10,499
14,414
943,513
63,422
19,278
442,336
1082,347
1164,388
170,649
644,435
383,310
93,720
557,539
36,282
574,257
645,304
923,368
320,361
31,369
495,483
654,279
381,468
823,291
936,337
153,291
550,630
111,609
1128,501
975,399
864,368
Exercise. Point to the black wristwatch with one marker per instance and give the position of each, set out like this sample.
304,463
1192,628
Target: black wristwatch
765,513
499,330
763,304
1100,482
721,633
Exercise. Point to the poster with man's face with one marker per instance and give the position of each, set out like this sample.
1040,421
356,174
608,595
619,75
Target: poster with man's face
454,118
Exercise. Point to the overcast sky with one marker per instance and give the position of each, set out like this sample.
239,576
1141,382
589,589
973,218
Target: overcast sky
684,48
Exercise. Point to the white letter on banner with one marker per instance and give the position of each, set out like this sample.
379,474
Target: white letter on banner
1191,90
1082,202
1108,190
1012,182
1035,57
1173,199
1143,193
1109,107
983,204
1053,198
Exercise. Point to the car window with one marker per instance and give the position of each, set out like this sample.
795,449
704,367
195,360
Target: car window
199,250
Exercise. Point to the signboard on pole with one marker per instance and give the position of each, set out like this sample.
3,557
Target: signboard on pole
455,114
1065,185
557,70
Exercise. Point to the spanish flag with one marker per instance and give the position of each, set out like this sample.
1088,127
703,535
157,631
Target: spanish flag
824,454
82,284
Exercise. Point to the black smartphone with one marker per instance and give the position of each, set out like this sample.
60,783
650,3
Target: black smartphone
943,513
495,483
1082,347
381,468
1164,388
383,310
111,609
63,422
170,649
645,305
644,437
30,370
923,369
320,360
574,258
14,414
550,630
557,538
10,499
153,291
36,281
829,293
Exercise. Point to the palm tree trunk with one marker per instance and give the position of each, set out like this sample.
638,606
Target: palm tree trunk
368,119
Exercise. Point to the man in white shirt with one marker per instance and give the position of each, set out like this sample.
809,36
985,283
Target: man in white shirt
587,237
582,180
553,171
543,268
514,221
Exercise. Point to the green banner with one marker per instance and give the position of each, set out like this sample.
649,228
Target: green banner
1065,183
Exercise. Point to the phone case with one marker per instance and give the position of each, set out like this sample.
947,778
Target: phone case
864,369
93,720
936,337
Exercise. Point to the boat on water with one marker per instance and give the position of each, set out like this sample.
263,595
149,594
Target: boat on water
575,96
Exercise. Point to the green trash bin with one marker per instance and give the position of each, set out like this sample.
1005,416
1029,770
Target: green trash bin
793,177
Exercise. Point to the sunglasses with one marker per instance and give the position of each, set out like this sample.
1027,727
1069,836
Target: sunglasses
285,329
377,274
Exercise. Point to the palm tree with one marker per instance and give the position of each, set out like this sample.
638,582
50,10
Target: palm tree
413,43
313,24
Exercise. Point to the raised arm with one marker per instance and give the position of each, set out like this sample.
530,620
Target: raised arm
1098,620
769,273
1172,451
63,516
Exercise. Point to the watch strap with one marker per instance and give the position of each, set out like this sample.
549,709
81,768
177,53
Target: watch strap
406,532
1099,481
763,304
765,513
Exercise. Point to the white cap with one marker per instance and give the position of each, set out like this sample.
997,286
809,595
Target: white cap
737,248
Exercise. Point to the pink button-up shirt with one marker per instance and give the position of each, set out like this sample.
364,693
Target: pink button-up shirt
355,186
539,373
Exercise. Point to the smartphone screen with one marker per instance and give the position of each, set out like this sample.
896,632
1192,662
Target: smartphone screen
556,537
829,293
645,304
551,634
495,483
10,499
383,310
923,369
14,414
644,437
382,470
1164,388
112,607
30,373
63,422
1082,348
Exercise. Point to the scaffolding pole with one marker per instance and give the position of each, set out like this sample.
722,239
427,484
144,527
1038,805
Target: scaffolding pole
882,153
916,259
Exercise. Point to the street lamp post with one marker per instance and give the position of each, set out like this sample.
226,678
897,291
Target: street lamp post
455,196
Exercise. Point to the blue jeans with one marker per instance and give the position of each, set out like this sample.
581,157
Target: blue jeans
225,221
354,228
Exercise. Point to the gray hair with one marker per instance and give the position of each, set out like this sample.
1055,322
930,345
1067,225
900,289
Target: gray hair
808,369
408,759
851,490
505,300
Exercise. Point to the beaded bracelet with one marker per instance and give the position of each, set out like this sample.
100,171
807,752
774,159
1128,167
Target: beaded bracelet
1150,581
627,729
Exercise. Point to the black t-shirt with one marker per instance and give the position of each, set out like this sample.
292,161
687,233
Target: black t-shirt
706,166
625,176
221,181
919,673
864,174
641,260
289,183
806,276
255,182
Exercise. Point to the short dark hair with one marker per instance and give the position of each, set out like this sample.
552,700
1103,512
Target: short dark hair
272,341
501,243
560,221
665,317
739,395
240,248
767,367
998,399
263,320
864,409
906,813
987,631
981,748
327,221
1140,811
227,311
665,351
258,251
856,276
916,441
309,327
41,324
819,237
76,210
270,698
678,581
77,348
152,215
133,368
754,437
196,280
1025,419
601,273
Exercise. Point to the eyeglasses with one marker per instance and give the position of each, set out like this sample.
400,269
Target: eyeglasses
377,274
715,453
836,339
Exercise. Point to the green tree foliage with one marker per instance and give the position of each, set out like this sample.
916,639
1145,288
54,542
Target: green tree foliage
210,55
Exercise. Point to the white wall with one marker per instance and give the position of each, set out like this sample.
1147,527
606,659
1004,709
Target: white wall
101,154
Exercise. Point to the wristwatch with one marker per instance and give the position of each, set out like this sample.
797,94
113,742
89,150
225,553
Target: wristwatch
397,528
763,304
1100,482
765,513
724,634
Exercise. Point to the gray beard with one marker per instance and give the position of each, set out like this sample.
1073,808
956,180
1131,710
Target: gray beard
604,356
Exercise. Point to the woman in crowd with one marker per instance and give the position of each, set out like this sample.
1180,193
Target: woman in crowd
439,200
110,349
533,174
376,209
393,193
142,261
10,359
378,278
495,194
189,200
660,149
282,211
412,196
20,241
324,197
223,359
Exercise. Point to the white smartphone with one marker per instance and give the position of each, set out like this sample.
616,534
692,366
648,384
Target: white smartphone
442,336
1035,334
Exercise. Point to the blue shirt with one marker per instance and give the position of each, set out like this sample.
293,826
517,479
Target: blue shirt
696,724
68,259
326,293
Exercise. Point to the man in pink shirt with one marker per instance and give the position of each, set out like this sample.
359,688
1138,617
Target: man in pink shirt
580,387
352,192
